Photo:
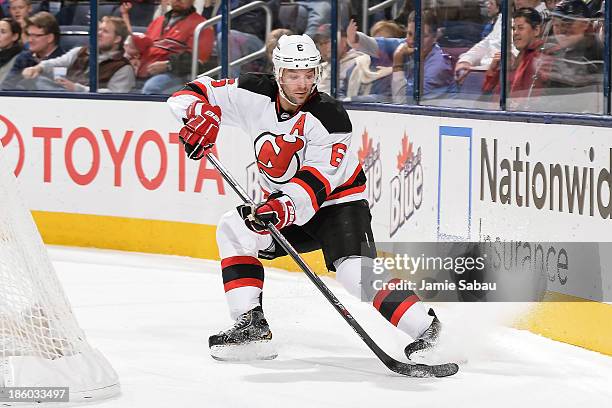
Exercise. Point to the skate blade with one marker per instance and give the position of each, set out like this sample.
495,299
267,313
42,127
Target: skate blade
253,351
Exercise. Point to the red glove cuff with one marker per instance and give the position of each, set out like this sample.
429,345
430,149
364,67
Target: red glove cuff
282,207
197,108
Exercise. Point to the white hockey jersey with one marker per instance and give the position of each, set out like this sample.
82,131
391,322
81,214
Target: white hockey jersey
306,155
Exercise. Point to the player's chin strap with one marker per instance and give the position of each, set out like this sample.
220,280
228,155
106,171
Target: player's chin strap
410,370
282,94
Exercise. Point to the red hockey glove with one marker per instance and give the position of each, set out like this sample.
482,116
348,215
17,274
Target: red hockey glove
278,210
201,129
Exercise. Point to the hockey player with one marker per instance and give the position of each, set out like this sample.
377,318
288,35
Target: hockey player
313,187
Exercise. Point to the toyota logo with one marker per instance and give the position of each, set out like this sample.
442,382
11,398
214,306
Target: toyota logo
9,133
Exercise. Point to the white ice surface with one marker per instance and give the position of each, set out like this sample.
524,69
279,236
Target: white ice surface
151,316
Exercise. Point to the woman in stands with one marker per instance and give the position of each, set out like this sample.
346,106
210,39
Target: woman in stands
493,8
10,45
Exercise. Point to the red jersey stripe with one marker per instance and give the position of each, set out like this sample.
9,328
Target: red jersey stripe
186,92
382,294
401,309
202,88
240,260
243,282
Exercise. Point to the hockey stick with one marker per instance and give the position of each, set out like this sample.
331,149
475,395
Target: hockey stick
411,370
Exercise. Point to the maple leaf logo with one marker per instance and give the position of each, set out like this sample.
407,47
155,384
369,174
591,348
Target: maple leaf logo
366,147
406,153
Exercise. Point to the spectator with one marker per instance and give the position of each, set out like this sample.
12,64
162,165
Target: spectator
397,54
346,60
271,41
387,29
370,78
524,72
493,8
115,74
20,10
319,13
135,45
482,53
165,65
551,4
10,46
44,34
437,70
248,34
577,54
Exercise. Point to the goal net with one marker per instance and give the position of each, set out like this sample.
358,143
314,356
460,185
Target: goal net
41,343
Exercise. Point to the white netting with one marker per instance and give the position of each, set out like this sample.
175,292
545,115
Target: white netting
41,343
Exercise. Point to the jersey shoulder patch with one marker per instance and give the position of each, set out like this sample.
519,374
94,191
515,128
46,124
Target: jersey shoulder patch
330,113
262,84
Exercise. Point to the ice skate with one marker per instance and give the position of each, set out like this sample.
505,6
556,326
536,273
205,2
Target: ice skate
427,340
248,339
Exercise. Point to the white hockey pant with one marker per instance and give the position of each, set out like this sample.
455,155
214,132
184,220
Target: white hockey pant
243,278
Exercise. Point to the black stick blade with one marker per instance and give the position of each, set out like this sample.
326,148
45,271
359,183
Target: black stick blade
424,370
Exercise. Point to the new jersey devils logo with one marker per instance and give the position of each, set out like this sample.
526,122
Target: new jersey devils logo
277,156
